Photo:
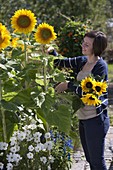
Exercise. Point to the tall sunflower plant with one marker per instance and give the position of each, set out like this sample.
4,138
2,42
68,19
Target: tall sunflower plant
92,90
27,79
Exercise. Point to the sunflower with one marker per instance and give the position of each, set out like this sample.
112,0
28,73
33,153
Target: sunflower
23,21
45,33
4,37
14,42
90,99
87,84
100,87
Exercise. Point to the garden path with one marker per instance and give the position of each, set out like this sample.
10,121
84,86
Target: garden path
79,162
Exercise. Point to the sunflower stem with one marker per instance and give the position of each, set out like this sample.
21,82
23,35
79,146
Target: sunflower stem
45,61
26,57
3,115
45,78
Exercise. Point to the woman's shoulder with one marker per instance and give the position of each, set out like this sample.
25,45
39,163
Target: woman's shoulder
102,62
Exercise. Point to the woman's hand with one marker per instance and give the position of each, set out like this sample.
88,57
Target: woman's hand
61,87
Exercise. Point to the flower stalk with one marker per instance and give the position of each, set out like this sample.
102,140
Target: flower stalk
45,72
45,62
3,115
26,57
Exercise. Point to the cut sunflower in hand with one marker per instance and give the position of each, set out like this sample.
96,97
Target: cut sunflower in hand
87,84
90,99
100,87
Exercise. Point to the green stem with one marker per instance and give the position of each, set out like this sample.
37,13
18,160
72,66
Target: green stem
25,50
45,78
3,115
26,57
45,62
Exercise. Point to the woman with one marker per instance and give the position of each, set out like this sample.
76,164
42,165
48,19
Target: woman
93,120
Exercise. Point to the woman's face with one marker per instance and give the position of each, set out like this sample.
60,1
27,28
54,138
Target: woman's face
87,46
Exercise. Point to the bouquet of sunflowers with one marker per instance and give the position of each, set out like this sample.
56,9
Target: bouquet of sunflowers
92,89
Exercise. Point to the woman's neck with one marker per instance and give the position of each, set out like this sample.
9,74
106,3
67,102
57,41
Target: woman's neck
92,59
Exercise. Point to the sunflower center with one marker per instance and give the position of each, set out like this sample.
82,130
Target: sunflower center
46,33
89,85
91,98
98,89
23,21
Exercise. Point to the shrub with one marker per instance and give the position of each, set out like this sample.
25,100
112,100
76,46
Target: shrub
70,38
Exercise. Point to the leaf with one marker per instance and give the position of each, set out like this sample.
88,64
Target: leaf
76,103
11,118
7,105
24,98
3,67
40,82
60,118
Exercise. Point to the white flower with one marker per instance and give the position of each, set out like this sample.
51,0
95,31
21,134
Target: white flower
32,126
49,168
17,157
15,133
25,127
3,145
37,134
37,139
1,153
9,166
47,135
51,158
29,138
28,132
15,148
1,165
21,136
10,157
30,155
13,140
38,148
31,148
48,145
43,159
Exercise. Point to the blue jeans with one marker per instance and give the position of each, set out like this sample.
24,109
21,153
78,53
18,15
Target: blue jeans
92,135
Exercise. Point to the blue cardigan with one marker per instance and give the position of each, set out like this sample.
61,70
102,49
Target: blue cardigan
100,69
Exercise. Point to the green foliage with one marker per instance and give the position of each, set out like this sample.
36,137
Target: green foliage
56,13
70,38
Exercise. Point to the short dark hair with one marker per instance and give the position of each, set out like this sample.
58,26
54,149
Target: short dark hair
99,43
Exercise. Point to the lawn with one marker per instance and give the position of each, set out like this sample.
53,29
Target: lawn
110,72
110,108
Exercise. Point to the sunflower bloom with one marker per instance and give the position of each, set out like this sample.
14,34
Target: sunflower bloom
90,99
100,87
23,21
14,42
87,84
4,37
45,34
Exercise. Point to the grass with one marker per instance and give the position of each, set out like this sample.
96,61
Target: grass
110,72
110,108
